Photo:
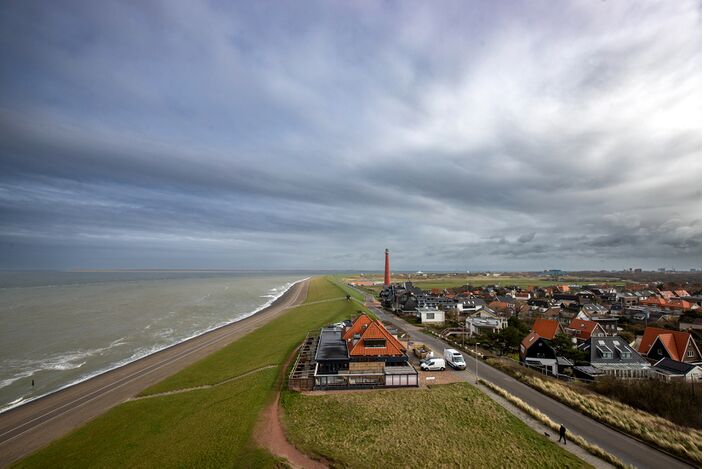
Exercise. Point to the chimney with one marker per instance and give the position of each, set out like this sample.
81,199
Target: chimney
387,273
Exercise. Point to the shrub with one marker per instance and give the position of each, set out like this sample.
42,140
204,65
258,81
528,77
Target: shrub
682,405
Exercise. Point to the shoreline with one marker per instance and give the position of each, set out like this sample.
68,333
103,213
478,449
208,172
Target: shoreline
34,424
154,350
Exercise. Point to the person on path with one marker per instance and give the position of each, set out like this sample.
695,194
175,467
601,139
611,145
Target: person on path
563,431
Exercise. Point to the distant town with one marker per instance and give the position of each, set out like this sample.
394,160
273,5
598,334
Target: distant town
619,347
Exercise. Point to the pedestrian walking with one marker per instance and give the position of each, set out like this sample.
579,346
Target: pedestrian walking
563,431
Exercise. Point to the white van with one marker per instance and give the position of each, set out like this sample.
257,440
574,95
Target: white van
454,359
433,364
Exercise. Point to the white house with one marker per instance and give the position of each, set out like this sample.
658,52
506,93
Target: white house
431,315
483,321
470,305
668,369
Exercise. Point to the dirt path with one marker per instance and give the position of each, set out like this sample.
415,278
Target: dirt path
269,432
205,386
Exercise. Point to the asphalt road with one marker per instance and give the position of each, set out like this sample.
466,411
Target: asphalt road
626,448
29,427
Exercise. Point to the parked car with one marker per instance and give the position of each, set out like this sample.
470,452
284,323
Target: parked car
454,359
433,364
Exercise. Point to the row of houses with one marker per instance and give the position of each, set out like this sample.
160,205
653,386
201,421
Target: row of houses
660,353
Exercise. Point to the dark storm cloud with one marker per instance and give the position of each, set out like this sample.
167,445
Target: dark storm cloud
241,135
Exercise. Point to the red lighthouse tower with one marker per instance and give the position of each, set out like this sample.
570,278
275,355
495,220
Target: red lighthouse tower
387,272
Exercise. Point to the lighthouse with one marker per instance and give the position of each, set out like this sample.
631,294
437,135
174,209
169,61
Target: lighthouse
387,272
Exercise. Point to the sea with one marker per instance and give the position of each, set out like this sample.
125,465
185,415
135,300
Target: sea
60,328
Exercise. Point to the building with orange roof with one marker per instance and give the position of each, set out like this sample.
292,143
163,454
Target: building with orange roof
363,355
375,341
358,326
583,330
681,293
678,303
537,352
658,343
654,301
546,328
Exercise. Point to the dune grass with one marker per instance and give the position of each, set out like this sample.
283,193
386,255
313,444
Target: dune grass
453,425
545,420
206,427
657,431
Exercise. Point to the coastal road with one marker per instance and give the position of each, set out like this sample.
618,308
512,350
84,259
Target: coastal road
31,426
626,448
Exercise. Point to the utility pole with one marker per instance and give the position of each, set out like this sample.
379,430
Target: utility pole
464,326
476,363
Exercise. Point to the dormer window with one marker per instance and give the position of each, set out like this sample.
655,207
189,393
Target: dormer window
375,343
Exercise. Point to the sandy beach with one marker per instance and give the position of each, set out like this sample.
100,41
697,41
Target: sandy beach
29,427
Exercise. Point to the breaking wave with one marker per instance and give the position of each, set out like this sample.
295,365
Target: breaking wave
77,358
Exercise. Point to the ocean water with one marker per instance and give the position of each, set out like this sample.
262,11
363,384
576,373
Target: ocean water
59,328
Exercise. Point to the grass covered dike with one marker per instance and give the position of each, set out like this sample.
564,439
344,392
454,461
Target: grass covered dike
206,427
453,425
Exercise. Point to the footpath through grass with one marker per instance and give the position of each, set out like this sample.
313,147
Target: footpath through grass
207,427
453,425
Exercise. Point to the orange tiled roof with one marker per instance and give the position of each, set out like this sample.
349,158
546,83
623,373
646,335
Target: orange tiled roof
376,330
529,340
654,300
667,294
681,293
357,326
584,328
674,341
499,305
679,304
546,328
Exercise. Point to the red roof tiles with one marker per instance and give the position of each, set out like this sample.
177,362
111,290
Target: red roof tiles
375,330
529,340
357,327
674,341
585,329
546,328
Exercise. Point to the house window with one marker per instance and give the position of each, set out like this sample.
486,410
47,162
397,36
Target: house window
690,353
659,351
375,343
429,315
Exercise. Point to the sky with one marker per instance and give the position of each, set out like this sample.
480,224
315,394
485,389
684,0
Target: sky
312,135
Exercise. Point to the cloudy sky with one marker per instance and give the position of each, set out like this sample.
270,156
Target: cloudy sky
460,135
